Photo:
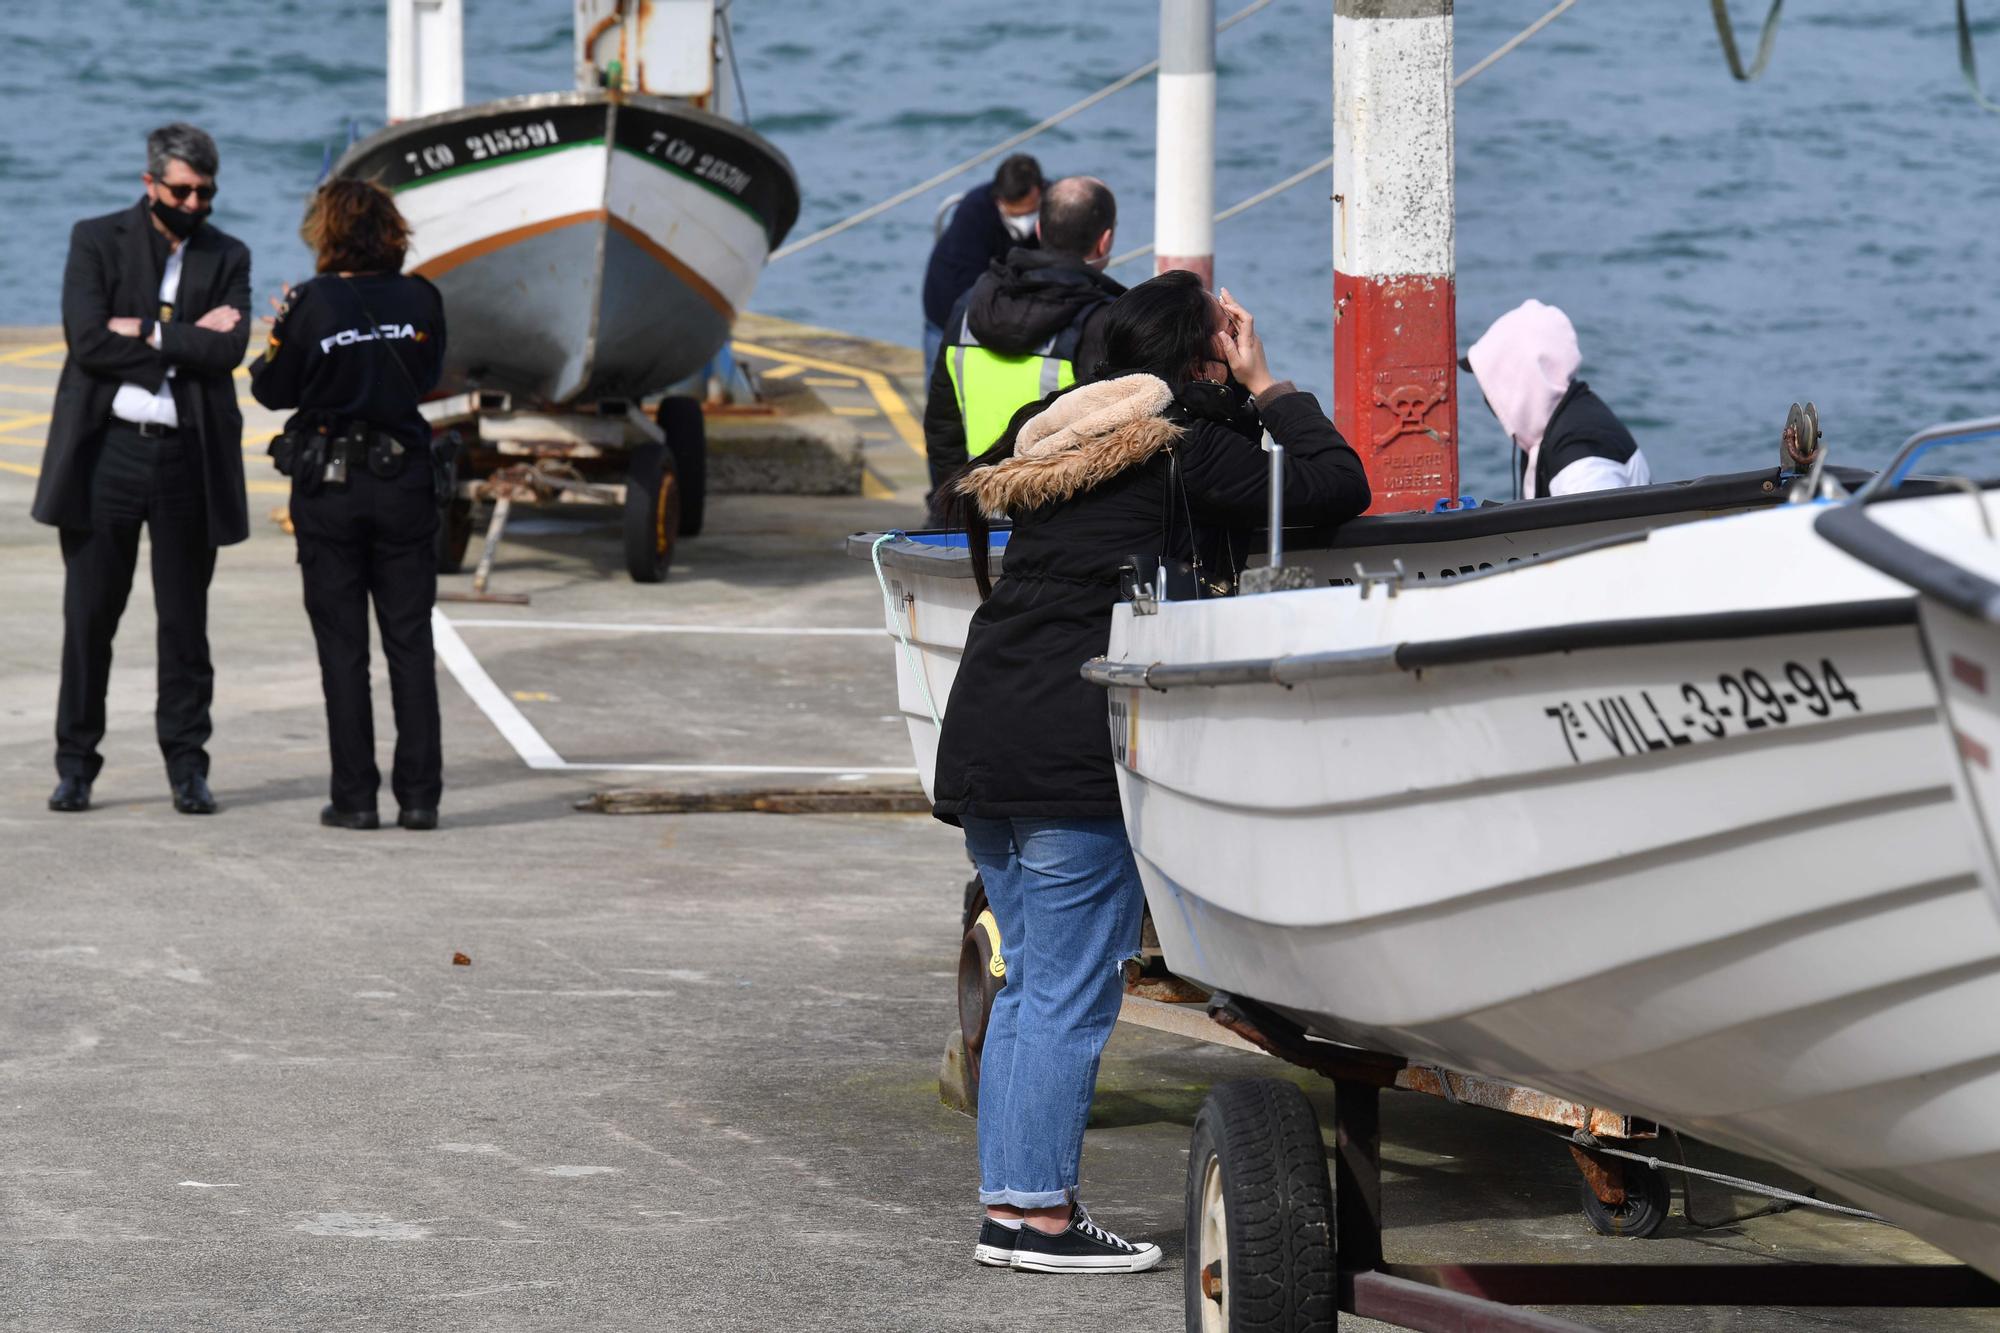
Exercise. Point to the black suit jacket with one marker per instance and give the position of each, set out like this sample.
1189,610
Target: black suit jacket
113,272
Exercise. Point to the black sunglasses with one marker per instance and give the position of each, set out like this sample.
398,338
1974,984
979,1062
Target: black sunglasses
181,192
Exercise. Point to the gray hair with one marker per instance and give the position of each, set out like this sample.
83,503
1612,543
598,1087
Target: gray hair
180,140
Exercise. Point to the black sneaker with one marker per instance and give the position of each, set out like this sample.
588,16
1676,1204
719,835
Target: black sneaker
996,1244
1083,1247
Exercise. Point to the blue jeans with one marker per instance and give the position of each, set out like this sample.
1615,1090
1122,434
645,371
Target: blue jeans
933,339
1066,895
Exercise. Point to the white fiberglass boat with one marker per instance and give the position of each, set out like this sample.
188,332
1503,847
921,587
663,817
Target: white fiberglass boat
1667,824
929,594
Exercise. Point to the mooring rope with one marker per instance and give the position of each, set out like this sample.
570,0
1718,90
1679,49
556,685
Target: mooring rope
1726,30
1492,58
1012,141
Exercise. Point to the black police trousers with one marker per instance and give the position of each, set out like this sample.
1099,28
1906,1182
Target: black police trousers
155,483
374,539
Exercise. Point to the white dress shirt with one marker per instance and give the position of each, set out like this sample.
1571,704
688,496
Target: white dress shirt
135,402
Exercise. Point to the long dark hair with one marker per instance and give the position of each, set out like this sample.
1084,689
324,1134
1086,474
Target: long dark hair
1165,326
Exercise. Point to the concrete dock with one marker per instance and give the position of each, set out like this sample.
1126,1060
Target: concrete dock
688,1078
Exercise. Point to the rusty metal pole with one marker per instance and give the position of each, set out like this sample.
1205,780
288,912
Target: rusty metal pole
1395,348
1184,163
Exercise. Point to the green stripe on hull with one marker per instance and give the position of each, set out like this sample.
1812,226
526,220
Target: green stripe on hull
508,160
689,176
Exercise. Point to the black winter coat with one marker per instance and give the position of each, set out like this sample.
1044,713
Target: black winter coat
114,271
1024,734
1017,306
974,238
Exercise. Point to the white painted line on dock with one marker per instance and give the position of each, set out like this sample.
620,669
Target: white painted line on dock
612,627
537,753
499,709
738,768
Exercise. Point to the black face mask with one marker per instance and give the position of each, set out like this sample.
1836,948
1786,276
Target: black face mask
1226,404
178,221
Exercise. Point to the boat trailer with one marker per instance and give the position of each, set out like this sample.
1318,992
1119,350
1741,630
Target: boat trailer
609,453
1344,1224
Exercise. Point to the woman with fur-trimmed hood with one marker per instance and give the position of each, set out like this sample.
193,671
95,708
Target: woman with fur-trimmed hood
1155,461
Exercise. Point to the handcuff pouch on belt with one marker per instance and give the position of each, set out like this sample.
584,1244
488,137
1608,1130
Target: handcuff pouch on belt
321,456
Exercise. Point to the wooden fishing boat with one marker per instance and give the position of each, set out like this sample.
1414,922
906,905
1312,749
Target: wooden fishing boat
589,245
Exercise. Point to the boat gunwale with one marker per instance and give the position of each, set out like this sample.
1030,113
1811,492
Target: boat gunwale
775,228
1381,659
1849,529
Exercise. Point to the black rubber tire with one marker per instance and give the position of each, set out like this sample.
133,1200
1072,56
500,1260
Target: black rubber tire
652,513
1649,1197
978,987
687,436
1277,1236
454,535
975,902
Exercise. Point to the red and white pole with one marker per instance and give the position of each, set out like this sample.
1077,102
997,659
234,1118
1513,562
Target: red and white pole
1395,353
1184,165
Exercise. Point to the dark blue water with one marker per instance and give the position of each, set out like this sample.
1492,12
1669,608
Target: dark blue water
1825,233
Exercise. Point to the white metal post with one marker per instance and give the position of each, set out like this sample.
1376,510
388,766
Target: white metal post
1395,351
1184,165
426,57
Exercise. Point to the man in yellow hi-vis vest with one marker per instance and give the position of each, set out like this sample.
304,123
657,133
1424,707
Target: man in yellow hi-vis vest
1032,324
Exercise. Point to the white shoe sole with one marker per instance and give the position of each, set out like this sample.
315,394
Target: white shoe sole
1148,1257
992,1256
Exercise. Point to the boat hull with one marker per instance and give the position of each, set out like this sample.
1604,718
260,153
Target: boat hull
930,596
587,246
1709,868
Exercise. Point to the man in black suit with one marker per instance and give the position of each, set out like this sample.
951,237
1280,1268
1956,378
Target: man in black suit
146,433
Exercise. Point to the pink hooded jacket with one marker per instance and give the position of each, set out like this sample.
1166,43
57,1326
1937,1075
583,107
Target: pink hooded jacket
1524,365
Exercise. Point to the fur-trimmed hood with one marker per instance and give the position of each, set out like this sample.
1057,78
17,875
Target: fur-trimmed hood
1085,437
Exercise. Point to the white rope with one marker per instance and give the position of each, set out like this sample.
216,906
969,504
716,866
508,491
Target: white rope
1015,141
1301,177
1739,1183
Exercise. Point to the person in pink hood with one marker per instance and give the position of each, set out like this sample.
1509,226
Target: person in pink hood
1526,365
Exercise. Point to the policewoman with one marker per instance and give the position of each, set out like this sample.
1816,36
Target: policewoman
354,351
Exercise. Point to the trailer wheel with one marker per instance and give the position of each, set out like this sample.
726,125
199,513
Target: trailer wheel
454,534
652,513
1648,1198
981,974
687,436
1259,1214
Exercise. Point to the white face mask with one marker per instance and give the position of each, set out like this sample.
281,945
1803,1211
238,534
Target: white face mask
1021,225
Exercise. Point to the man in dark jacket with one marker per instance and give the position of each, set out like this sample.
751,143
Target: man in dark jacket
988,221
1032,324
145,432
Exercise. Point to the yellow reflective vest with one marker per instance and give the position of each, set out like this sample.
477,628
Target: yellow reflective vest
991,388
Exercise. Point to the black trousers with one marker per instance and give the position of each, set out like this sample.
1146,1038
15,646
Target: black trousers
375,539
153,484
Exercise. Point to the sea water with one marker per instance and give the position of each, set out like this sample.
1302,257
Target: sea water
1723,248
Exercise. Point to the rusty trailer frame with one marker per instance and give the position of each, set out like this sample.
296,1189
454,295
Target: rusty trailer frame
1491,1297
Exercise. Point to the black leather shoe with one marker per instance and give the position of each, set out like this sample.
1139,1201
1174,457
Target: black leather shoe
334,817
192,796
70,796
421,821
